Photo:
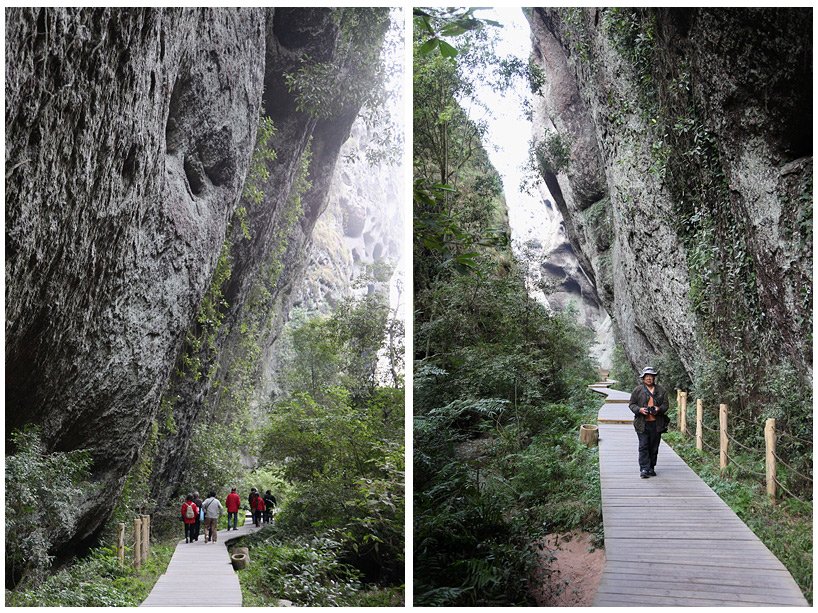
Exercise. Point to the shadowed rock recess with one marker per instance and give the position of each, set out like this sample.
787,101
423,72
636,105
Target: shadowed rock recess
129,134
677,145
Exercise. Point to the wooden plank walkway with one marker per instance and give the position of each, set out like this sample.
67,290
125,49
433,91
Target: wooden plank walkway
200,574
670,540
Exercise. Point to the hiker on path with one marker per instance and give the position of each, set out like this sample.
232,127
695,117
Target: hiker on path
260,509
189,513
199,516
232,503
649,405
252,499
269,503
213,510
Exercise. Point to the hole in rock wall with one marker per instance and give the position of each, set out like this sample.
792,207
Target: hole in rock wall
130,168
195,174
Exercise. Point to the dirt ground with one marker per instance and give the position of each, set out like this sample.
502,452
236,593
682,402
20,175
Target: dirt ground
571,579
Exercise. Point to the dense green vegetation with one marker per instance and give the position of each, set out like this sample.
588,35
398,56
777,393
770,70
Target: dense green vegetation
41,491
500,383
336,432
96,580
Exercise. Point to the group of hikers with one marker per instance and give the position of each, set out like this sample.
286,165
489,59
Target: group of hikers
196,512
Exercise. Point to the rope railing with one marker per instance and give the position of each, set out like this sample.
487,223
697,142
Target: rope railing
781,485
747,470
742,446
743,420
726,439
802,475
792,436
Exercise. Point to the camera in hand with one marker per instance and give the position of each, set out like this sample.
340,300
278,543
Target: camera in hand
652,410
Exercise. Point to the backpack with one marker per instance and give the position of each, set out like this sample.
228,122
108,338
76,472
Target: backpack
189,512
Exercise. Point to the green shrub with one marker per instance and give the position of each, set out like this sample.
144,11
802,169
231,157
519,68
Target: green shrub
304,571
96,580
621,371
672,373
42,491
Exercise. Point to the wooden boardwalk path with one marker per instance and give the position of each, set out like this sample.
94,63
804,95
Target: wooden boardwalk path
670,540
200,574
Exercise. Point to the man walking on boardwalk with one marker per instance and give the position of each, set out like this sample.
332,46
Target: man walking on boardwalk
213,510
233,503
649,405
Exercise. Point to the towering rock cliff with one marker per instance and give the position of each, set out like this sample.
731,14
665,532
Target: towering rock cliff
136,255
676,143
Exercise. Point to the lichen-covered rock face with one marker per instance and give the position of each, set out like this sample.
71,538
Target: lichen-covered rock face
686,178
128,135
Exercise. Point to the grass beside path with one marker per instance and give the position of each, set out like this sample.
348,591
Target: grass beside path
97,580
785,527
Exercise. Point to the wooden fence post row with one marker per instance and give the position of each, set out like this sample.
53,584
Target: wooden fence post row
146,537
769,438
141,541
723,440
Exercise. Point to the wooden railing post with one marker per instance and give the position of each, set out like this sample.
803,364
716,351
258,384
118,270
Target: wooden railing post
146,536
699,418
137,542
723,437
769,439
683,412
120,543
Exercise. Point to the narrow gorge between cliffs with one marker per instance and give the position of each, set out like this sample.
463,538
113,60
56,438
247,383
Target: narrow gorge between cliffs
203,232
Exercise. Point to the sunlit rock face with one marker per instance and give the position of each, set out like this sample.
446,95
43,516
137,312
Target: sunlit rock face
689,167
360,228
555,276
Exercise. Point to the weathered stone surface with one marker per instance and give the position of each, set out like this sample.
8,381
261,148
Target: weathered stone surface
742,79
128,135
272,261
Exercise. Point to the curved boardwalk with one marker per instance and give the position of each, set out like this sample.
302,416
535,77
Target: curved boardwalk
200,575
670,540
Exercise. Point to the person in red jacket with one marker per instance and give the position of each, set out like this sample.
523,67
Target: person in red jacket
189,514
232,503
259,509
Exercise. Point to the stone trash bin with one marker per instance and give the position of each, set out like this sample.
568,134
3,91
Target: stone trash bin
240,557
589,435
239,560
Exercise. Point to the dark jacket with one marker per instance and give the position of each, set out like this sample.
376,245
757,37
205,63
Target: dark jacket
639,399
